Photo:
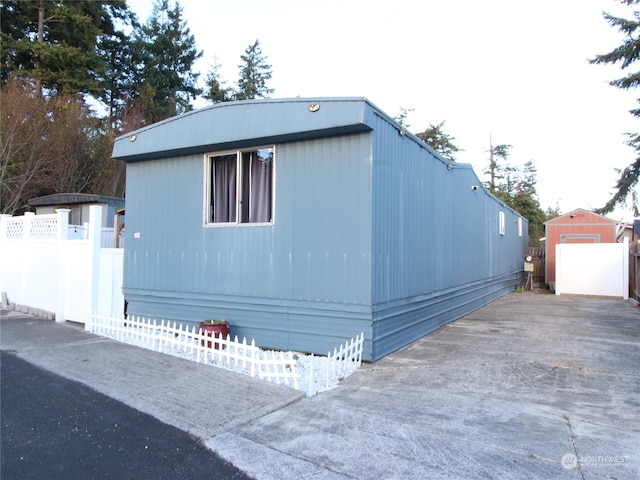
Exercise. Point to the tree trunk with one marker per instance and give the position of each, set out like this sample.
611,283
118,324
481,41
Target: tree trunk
40,41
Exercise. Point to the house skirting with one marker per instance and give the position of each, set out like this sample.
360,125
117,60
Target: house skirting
397,324
315,326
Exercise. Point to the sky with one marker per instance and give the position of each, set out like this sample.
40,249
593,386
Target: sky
500,71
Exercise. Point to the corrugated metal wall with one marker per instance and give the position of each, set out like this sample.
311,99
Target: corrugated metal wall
437,250
303,282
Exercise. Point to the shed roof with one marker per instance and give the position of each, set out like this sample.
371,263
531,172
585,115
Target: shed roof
592,217
74,199
245,123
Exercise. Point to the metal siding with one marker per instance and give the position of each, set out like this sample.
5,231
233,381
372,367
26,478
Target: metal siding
301,283
328,220
175,254
164,210
431,231
405,322
437,251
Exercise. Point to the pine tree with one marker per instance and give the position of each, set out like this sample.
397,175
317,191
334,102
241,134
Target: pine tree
441,142
55,42
627,55
498,166
118,78
525,201
254,74
165,53
401,118
215,91
516,188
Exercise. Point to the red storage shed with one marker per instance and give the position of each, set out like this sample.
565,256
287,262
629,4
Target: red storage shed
577,226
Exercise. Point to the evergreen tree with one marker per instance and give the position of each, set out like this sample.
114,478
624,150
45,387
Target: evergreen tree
498,166
215,91
441,142
254,74
551,213
627,55
402,116
118,80
164,53
55,42
510,176
524,200
516,188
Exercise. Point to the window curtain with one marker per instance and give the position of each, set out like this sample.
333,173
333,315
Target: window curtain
223,197
259,191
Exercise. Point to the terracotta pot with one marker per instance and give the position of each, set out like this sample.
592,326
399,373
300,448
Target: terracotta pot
216,330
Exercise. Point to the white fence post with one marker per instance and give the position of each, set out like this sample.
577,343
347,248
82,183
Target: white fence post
95,237
625,268
3,274
63,232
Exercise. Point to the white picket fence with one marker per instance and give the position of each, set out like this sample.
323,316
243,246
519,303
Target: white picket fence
309,373
335,367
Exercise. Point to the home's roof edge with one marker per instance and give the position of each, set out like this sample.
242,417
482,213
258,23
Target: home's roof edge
248,142
223,105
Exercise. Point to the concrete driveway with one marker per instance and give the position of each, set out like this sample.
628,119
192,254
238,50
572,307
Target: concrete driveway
531,386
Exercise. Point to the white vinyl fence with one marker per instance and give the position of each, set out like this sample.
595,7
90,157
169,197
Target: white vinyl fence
600,269
30,259
107,239
309,373
47,270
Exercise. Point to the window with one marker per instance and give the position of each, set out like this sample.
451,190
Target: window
519,226
240,186
502,225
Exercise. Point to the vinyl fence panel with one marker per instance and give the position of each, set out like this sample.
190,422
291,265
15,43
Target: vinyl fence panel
600,269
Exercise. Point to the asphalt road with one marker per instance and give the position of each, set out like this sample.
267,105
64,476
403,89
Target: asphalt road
55,428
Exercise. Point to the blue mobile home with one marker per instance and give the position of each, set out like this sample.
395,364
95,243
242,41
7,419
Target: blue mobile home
308,221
